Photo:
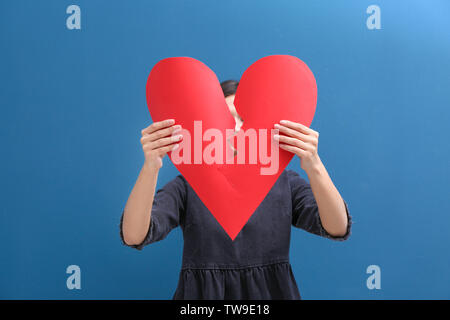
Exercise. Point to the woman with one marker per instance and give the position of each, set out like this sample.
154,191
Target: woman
256,264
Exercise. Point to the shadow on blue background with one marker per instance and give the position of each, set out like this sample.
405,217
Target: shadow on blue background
73,104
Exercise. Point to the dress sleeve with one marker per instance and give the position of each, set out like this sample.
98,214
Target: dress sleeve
305,212
168,209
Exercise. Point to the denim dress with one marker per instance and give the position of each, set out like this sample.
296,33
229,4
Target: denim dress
253,266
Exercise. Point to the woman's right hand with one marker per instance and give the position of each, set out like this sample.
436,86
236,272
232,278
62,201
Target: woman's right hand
157,140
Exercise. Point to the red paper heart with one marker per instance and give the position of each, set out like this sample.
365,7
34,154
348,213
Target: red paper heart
272,89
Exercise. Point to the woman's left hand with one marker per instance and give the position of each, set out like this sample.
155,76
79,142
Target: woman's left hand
300,140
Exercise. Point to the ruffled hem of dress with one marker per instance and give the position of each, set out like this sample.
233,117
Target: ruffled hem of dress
265,282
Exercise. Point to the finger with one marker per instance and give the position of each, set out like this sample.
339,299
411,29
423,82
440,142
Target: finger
156,145
162,133
293,149
157,126
165,141
293,142
298,126
293,133
164,150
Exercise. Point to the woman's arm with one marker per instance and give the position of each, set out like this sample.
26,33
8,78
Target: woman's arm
303,141
332,210
157,140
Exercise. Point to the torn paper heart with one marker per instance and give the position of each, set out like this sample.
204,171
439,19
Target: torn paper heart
272,89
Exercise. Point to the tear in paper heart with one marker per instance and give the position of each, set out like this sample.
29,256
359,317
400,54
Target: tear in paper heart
272,89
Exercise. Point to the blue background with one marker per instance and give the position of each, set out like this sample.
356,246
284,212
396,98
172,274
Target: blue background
73,104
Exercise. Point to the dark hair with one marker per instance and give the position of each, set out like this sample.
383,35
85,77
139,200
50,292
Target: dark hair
229,87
